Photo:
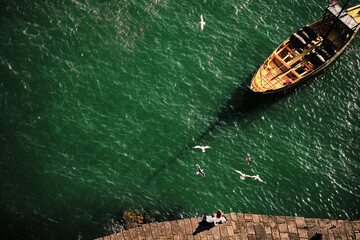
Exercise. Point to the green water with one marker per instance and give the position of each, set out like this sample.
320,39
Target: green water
102,102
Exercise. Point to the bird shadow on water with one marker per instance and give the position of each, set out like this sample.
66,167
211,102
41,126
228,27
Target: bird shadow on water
242,103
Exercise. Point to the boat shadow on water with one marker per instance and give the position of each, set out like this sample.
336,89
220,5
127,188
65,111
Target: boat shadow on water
240,106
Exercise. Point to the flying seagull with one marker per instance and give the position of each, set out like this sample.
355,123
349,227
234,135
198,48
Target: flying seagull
256,177
243,175
200,171
248,158
202,147
202,23
236,10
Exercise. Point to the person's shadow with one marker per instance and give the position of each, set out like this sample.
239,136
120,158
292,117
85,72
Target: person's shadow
317,236
203,226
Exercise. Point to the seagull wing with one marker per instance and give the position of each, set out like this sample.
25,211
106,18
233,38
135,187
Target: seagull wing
260,180
197,166
206,147
200,171
202,23
242,174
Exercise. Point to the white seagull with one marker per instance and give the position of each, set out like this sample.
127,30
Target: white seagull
243,175
202,23
202,147
236,10
256,177
200,171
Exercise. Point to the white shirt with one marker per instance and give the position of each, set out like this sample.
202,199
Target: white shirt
215,220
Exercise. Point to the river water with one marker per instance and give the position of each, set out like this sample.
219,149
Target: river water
102,102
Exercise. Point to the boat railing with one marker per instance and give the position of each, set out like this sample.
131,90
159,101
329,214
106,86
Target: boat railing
291,73
294,61
266,81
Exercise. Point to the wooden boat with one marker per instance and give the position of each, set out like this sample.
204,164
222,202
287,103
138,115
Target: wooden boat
307,51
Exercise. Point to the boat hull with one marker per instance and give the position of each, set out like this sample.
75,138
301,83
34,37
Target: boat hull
256,81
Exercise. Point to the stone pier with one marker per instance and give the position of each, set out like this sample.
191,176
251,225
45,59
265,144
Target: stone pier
246,227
